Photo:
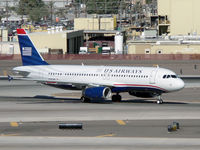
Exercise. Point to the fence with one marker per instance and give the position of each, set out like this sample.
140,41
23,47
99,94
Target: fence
111,57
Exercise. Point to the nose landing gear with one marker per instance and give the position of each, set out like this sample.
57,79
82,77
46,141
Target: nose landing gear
159,100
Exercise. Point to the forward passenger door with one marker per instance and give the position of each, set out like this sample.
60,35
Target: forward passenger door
152,78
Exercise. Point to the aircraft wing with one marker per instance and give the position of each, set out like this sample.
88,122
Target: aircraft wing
75,85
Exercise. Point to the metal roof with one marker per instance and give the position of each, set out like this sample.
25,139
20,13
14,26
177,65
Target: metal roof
102,31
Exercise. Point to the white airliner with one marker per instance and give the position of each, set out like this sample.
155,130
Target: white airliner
96,82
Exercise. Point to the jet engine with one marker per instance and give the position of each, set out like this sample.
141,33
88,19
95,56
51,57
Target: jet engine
143,94
97,93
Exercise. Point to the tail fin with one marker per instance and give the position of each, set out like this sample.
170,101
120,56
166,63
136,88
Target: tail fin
29,54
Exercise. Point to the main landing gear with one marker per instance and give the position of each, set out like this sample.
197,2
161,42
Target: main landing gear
116,98
85,100
159,101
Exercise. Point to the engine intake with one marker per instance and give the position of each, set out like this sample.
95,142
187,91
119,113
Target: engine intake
97,93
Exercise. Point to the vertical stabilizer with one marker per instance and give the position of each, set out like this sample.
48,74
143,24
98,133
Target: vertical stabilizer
29,54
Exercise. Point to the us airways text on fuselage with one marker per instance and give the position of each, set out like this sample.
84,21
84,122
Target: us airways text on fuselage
128,71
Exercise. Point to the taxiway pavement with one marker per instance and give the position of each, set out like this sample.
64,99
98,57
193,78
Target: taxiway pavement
30,114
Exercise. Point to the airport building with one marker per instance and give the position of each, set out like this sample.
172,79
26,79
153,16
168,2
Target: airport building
179,17
178,27
64,42
163,47
96,23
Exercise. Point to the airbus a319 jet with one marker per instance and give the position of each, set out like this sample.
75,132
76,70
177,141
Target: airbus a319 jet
96,82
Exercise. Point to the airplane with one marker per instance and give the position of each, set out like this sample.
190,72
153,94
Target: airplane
96,82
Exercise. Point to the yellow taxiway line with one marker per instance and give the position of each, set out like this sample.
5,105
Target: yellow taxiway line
121,122
106,135
14,124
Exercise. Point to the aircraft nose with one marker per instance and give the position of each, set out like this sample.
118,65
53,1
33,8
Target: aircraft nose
180,84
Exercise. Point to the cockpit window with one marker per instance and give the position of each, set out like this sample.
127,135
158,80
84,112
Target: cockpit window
170,76
173,76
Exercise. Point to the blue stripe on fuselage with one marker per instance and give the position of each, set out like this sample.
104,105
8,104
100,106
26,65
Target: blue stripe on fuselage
142,89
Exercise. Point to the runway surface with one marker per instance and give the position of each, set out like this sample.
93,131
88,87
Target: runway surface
30,114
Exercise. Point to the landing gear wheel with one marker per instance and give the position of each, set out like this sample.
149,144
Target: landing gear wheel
159,101
116,98
85,100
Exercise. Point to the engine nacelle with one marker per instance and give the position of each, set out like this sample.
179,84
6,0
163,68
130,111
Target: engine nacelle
142,94
97,93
